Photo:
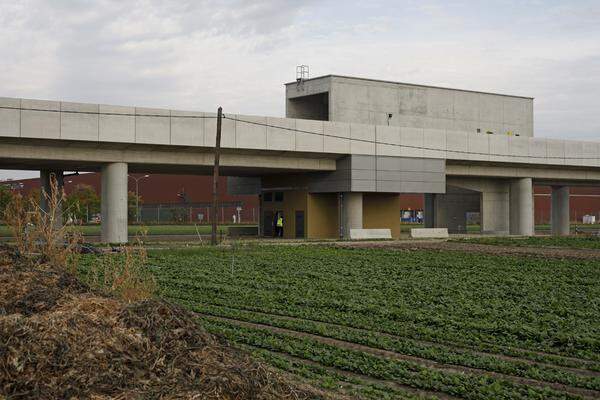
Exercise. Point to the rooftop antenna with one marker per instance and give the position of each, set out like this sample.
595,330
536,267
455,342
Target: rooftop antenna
302,73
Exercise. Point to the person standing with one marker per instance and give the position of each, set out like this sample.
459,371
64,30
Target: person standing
279,225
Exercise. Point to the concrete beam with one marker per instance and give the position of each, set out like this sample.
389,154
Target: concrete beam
560,211
152,157
537,173
521,207
114,203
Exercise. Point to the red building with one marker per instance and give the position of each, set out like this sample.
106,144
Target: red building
188,198
583,201
169,198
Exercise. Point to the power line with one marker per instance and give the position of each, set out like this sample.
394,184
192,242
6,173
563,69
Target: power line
401,145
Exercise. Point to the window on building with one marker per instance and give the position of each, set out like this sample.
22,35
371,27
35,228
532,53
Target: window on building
278,196
268,196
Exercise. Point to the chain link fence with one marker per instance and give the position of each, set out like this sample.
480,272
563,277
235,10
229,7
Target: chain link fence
199,213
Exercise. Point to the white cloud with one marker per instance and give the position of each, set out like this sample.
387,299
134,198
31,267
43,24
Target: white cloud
238,54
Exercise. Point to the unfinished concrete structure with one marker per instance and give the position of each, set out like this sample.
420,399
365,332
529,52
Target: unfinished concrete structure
337,162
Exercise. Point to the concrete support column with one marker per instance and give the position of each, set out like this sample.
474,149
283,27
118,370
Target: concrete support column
560,211
352,212
521,207
114,203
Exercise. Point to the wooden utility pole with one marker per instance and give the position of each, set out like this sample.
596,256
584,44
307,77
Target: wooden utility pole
213,234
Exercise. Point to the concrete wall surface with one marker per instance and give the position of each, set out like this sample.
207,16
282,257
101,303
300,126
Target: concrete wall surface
370,101
93,123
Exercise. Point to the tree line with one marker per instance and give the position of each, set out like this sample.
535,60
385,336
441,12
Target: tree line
81,205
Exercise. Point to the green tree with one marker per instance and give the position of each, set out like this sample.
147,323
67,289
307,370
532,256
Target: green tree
82,202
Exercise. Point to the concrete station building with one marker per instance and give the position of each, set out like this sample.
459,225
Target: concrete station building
334,166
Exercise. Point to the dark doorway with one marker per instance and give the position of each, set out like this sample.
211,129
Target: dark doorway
299,224
268,223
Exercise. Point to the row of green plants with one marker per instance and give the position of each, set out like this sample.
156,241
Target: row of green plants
533,305
223,309
330,380
453,383
433,352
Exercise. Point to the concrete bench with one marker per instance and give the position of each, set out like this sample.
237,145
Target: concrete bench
429,233
357,234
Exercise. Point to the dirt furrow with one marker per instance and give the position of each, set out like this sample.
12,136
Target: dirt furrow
460,348
365,378
592,394
547,252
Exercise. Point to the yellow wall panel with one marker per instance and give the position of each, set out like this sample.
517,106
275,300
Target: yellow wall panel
382,210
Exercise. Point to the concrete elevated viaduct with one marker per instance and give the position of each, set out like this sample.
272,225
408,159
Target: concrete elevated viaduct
337,162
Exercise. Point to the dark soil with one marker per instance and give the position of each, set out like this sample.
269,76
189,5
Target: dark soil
549,252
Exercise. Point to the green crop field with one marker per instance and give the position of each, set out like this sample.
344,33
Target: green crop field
376,323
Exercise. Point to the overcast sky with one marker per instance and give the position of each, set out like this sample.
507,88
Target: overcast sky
200,54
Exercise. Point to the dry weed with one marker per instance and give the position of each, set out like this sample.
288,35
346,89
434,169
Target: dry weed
40,232
124,274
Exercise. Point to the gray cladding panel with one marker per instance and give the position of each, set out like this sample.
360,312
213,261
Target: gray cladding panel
410,164
410,176
363,162
365,173
359,185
